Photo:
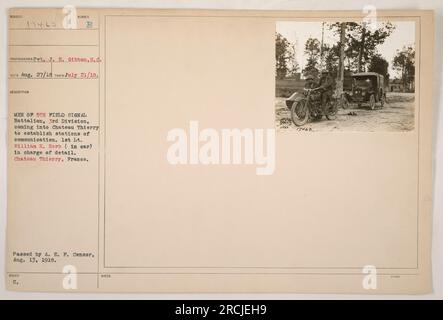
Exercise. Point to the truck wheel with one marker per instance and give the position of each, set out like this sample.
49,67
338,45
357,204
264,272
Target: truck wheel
344,102
331,110
372,102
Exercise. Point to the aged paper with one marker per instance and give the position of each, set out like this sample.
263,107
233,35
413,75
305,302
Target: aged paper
184,151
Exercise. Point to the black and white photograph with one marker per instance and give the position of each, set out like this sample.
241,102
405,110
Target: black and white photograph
345,76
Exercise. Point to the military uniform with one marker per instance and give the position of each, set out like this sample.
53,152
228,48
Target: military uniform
326,83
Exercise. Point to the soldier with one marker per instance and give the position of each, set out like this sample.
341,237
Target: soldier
326,83
310,82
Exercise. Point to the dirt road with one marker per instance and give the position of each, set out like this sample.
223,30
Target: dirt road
396,115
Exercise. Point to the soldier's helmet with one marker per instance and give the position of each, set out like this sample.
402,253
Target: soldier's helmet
309,77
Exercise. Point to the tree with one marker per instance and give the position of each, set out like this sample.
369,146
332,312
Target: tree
362,42
286,64
312,50
380,65
404,61
332,58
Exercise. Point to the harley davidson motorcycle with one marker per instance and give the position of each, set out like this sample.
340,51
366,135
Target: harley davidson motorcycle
307,105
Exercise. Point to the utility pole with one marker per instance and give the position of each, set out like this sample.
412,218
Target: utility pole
341,63
321,45
361,49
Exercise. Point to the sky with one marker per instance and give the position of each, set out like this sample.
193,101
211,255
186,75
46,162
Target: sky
298,32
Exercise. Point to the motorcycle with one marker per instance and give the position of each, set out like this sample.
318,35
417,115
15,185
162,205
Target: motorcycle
308,106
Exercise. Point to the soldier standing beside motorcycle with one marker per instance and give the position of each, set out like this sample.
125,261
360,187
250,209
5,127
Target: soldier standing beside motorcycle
326,84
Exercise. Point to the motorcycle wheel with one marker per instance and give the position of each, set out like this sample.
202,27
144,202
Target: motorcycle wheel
331,110
299,112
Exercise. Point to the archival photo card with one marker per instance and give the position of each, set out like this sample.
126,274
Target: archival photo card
219,151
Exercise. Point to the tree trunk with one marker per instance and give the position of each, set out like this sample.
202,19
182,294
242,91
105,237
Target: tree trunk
361,50
341,63
405,77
